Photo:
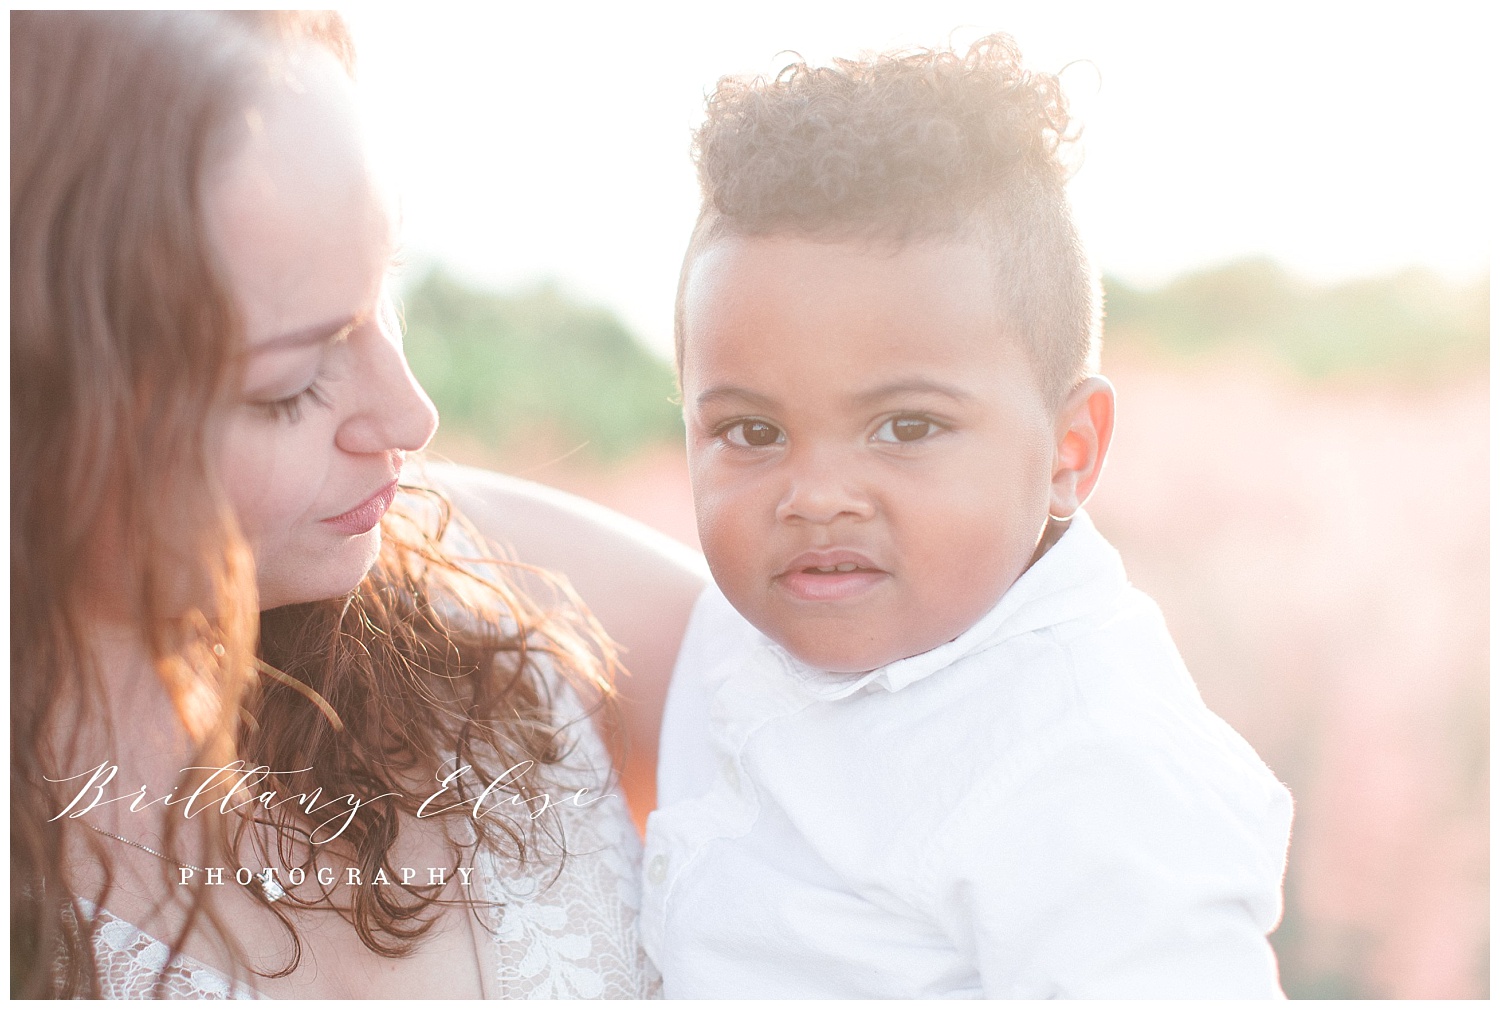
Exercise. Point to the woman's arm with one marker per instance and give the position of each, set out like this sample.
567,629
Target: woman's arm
640,584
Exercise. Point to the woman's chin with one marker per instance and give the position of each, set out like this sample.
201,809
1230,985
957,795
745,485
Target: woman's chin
307,576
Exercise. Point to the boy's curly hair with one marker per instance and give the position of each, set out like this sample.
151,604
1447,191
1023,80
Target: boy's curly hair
911,146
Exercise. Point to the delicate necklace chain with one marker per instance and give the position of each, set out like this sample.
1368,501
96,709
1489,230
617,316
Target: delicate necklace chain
263,883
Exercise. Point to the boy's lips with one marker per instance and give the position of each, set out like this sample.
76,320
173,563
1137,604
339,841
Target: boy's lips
830,575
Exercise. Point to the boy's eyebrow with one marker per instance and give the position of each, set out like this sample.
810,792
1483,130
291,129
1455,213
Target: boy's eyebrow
903,386
734,393
898,388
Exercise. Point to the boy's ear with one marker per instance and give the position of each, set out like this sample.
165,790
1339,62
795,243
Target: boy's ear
1085,423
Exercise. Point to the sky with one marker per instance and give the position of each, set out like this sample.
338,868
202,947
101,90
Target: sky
550,141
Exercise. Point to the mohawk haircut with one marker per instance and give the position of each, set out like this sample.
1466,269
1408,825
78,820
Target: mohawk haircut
905,147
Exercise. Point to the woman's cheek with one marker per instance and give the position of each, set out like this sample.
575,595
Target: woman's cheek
272,476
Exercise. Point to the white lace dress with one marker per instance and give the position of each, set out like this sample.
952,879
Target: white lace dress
567,935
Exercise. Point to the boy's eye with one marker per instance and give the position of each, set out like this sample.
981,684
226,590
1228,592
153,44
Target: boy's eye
754,433
904,429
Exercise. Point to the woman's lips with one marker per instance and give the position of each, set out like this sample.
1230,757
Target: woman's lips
365,516
830,576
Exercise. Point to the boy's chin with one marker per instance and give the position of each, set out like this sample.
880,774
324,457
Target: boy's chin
843,657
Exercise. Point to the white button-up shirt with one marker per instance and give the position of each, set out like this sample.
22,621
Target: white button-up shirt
1042,807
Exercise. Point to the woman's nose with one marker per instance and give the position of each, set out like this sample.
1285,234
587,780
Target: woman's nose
824,487
394,411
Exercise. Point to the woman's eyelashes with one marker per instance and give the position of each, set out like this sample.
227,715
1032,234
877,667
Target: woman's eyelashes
289,409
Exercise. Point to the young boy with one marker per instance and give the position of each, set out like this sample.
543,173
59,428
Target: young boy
929,741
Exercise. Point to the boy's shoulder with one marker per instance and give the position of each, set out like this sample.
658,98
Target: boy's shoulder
1074,639
1097,680
1098,751
717,639
716,643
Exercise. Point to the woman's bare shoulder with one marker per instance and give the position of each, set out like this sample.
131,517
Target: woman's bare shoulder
639,584
565,533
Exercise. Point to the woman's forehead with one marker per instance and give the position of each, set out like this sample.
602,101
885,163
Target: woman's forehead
301,224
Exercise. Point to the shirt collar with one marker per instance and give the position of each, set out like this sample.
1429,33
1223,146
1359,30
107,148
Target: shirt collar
1080,571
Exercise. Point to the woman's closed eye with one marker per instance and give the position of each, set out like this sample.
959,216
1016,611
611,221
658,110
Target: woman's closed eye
751,433
289,408
906,428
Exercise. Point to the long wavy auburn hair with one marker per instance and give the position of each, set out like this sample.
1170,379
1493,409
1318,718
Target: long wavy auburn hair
123,340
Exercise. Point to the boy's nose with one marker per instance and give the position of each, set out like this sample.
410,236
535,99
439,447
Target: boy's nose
821,493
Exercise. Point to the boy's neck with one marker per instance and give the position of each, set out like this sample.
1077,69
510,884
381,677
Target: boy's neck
1050,535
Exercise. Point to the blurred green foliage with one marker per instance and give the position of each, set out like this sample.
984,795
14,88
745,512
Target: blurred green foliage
1410,325
536,369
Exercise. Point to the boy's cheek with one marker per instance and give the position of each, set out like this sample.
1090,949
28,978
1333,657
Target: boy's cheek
727,497
730,545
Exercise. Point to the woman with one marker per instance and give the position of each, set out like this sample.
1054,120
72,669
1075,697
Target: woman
276,729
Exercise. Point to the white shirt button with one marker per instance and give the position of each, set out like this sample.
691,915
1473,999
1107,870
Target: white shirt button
657,871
